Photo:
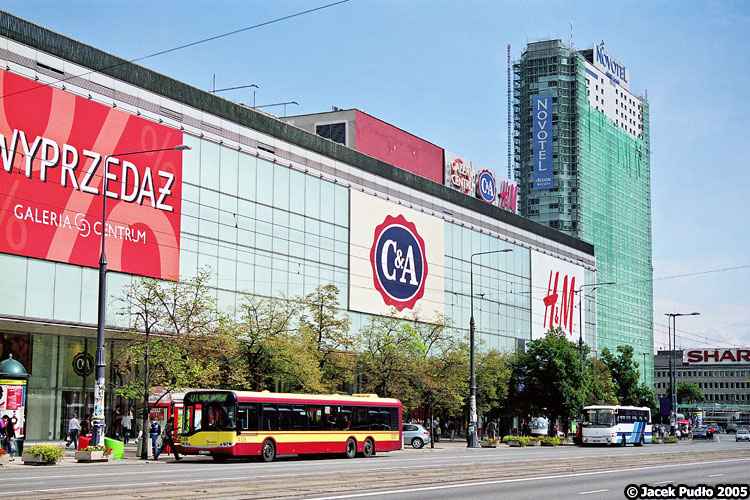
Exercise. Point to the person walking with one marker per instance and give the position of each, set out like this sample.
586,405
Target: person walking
167,440
491,430
154,431
127,425
9,436
85,426
73,428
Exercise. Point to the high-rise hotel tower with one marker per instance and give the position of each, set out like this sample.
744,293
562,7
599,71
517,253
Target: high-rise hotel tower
582,158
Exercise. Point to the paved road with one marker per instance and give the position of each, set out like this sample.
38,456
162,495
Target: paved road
450,470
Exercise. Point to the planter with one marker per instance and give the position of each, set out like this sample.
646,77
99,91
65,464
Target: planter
91,456
514,444
533,442
36,460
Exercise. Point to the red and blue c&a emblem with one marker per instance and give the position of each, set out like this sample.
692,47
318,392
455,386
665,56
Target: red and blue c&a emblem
399,262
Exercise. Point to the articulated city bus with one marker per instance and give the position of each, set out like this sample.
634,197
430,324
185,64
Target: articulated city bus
227,424
615,425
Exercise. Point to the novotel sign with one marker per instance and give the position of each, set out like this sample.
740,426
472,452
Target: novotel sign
714,356
611,67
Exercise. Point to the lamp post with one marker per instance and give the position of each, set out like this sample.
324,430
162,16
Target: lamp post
473,441
97,437
673,362
580,314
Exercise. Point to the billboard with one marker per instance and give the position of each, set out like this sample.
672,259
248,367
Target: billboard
610,67
55,149
553,301
542,140
715,356
396,259
473,180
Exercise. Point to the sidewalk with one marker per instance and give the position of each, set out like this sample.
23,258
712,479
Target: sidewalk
130,455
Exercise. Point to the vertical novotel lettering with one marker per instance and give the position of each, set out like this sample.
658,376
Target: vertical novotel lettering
542,141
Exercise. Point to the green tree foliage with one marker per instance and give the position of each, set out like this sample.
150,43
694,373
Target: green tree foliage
601,388
389,348
493,374
439,367
328,331
688,393
625,375
547,378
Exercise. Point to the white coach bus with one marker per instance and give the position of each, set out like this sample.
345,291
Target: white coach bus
621,425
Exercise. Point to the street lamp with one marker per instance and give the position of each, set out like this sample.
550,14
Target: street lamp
673,362
473,441
580,314
97,437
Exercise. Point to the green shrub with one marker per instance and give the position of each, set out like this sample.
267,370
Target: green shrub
670,439
99,447
45,452
549,441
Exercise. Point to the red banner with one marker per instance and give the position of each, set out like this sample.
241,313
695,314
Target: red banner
54,149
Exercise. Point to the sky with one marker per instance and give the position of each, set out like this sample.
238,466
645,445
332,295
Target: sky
438,69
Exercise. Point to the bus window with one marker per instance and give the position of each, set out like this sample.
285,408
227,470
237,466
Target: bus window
191,421
270,418
247,417
315,418
344,420
285,417
299,418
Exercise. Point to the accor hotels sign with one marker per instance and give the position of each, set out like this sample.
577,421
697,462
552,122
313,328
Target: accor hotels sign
55,150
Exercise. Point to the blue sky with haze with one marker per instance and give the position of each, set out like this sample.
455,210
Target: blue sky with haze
438,70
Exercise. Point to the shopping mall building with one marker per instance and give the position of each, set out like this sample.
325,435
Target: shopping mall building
271,207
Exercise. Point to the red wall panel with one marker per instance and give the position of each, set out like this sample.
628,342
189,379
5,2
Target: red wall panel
392,145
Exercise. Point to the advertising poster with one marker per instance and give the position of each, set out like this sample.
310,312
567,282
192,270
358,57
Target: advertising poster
55,149
553,299
542,141
12,397
397,259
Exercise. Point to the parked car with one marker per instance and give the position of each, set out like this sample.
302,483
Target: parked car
702,432
742,435
731,428
415,435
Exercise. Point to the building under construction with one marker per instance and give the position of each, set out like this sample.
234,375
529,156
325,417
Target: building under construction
582,164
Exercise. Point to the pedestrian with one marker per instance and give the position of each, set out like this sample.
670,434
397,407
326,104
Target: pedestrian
9,436
438,432
491,430
117,421
85,426
526,429
73,428
167,440
127,425
451,429
154,431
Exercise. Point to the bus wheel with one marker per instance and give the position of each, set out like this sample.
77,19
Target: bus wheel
351,448
268,452
369,449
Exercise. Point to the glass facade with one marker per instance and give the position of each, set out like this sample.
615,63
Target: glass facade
267,224
601,192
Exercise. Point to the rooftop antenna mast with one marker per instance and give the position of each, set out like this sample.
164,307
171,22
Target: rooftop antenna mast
572,47
510,122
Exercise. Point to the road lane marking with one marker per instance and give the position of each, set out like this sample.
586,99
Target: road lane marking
516,480
593,491
715,475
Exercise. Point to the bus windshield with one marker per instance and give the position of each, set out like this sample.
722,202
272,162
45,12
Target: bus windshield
209,414
598,418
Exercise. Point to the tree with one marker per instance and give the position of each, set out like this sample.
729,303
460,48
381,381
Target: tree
188,343
389,348
329,334
547,378
601,388
626,375
688,393
493,373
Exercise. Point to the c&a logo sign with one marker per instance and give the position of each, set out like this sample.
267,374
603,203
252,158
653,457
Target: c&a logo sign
399,262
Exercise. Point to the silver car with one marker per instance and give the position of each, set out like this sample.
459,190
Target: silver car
415,435
742,435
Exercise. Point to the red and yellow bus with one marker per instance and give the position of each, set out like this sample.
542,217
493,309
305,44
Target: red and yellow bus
227,424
